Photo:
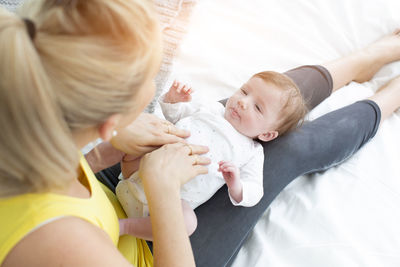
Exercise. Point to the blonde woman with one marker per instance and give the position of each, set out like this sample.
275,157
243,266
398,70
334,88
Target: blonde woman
71,72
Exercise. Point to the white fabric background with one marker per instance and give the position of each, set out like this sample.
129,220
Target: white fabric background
349,215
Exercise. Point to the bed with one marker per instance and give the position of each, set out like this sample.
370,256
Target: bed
348,215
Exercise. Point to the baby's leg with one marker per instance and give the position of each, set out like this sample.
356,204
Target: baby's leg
141,227
190,218
132,198
361,65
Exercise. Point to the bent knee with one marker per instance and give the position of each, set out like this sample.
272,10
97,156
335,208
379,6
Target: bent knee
189,217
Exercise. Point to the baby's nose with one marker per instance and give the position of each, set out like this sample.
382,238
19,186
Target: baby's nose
242,104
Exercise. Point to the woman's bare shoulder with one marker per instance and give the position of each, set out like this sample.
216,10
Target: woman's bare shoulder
68,241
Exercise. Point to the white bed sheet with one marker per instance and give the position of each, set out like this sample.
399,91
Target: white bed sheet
348,215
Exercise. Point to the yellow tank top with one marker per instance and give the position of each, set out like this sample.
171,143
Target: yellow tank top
22,214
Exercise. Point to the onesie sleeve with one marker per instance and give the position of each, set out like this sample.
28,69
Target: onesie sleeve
175,112
251,176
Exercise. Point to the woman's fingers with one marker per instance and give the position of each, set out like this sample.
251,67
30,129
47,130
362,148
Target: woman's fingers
171,138
172,130
167,139
197,160
199,169
167,133
196,149
174,162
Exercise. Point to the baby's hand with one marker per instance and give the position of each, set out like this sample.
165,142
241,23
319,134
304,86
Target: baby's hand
178,93
231,176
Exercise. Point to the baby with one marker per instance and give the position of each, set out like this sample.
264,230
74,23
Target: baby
267,105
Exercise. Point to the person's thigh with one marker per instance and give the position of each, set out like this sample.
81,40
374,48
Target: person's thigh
314,81
318,145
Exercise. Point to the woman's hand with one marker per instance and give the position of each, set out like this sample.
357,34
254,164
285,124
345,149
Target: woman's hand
146,133
172,165
163,171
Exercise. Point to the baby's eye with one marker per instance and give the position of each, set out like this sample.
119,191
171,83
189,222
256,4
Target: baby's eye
258,108
243,91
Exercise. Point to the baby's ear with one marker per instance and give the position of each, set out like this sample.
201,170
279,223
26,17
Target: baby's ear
269,136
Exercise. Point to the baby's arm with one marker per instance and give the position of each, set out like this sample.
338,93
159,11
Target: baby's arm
231,176
245,185
175,103
178,92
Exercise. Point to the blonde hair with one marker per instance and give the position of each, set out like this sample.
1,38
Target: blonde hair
88,60
294,107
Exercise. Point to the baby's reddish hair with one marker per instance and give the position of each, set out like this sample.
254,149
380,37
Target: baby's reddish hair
294,108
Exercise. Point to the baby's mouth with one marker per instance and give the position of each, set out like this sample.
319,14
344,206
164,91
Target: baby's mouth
234,113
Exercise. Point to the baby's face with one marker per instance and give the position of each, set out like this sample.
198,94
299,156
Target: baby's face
254,109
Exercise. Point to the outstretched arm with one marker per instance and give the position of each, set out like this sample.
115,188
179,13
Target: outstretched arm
178,92
175,103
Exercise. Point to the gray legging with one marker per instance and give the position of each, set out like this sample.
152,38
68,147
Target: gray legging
316,146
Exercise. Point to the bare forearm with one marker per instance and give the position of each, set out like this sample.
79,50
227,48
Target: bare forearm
162,172
138,227
171,242
103,156
129,167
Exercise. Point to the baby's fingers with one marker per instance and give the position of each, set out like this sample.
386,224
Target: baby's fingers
187,89
224,164
181,87
175,85
228,169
